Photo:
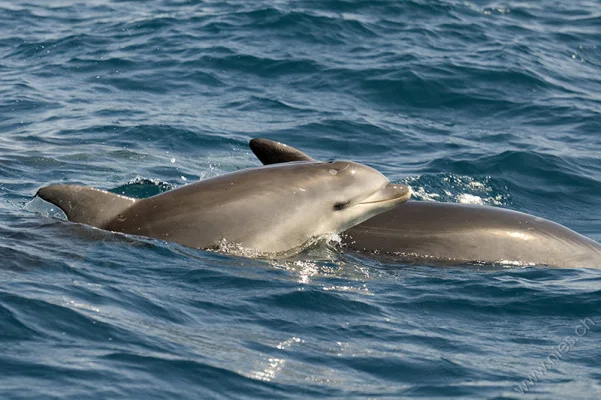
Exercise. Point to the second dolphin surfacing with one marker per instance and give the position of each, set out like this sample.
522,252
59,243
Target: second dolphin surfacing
269,210
450,233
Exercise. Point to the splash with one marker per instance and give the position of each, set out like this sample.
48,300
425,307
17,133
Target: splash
458,189
237,249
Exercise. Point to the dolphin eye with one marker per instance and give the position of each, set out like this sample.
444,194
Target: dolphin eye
341,205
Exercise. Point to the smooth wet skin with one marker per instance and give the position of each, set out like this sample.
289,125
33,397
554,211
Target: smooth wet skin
270,209
450,233
459,233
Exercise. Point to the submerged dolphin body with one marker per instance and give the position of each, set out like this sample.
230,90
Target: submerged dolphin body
270,209
450,233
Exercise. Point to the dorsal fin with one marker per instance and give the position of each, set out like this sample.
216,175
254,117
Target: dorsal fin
270,152
86,205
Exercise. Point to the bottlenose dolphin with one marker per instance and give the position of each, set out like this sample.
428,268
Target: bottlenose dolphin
270,209
450,233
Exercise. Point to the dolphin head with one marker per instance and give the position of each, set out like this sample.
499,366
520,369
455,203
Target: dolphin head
305,199
356,193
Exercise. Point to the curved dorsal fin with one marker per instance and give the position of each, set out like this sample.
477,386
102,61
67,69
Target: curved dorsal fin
86,205
270,152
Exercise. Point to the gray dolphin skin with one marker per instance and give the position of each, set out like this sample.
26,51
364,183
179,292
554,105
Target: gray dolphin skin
450,233
271,209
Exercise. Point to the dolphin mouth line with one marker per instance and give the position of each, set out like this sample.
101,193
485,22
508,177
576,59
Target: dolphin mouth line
403,197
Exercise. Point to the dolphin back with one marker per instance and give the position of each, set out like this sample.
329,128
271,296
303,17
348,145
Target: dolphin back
86,205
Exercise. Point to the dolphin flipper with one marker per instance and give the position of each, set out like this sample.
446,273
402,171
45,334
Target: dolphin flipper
270,152
86,205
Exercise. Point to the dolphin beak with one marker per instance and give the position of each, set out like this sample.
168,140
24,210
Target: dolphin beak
393,193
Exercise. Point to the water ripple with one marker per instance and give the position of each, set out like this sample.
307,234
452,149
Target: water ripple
466,101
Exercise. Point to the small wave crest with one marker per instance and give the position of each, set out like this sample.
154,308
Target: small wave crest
459,189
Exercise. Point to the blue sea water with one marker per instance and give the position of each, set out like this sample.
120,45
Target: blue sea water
488,102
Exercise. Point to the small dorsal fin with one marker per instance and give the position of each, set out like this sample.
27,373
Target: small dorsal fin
270,152
86,205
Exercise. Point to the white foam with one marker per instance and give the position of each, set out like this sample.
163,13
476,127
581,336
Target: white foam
466,198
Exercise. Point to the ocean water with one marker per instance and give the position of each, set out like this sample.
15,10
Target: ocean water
487,102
